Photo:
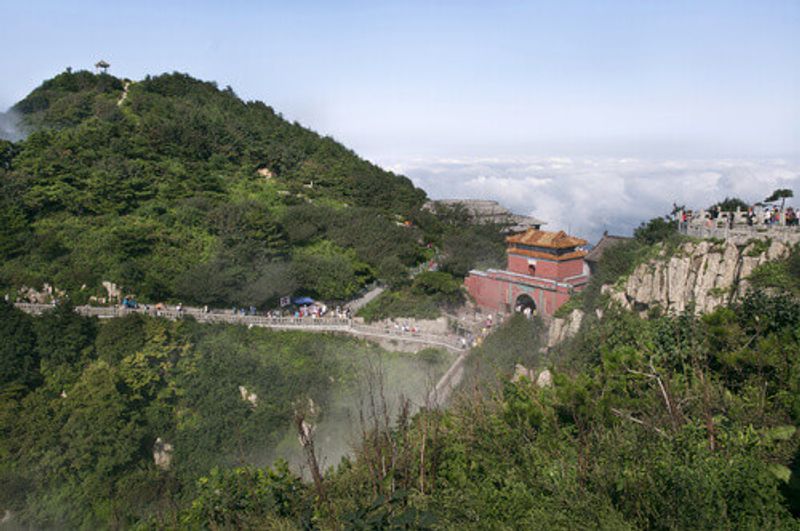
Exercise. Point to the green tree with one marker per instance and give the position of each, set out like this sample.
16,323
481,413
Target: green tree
330,272
247,497
656,230
781,193
731,204
443,286
99,439
14,231
19,359
64,343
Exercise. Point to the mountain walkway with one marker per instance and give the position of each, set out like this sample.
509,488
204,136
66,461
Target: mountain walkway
306,324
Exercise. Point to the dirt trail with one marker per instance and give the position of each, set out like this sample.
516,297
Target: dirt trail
124,93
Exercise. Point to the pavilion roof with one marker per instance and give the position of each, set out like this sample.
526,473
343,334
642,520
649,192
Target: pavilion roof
547,239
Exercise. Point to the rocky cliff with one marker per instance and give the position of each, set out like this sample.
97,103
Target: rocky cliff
563,328
703,275
700,275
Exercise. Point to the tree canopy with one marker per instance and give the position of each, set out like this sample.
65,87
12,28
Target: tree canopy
181,182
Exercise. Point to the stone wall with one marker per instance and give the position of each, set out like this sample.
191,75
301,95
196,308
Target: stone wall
740,235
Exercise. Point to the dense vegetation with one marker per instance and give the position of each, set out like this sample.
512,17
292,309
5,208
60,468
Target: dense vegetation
456,245
780,276
184,191
177,190
663,423
669,422
83,403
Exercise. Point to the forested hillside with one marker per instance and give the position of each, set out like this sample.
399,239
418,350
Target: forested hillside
650,417
86,407
169,184
644,422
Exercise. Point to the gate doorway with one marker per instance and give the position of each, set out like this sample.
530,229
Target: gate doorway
525,305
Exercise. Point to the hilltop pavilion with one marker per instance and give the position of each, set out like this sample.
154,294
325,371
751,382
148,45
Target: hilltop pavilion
544,269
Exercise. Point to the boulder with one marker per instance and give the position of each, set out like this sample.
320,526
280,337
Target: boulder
520,371
247,396
545,379
112,290
564,328
162,454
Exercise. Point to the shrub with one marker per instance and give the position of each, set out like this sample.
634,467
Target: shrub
394,304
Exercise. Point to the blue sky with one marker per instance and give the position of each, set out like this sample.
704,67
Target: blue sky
455,78
437,89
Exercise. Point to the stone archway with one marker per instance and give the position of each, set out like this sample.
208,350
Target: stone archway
524,304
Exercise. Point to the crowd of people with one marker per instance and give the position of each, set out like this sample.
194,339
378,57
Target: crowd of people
756,215
312,311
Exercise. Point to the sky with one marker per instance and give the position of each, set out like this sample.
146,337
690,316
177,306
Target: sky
464,96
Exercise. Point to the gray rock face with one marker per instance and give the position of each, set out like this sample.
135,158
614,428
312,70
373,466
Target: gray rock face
162,454
43,296
702,275
561,329
545,379
520,371
248,396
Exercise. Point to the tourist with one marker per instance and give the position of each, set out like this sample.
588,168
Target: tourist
791,217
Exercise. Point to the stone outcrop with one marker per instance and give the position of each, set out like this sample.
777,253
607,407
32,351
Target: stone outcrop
563,328
43,296
113,291
520,371
247,396
544,379
162,454
701,275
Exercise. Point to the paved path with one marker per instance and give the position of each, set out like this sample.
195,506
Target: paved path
306,324
449,381
438,397
365,299
122,98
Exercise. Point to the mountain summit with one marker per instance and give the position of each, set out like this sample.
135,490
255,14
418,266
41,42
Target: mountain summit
169,184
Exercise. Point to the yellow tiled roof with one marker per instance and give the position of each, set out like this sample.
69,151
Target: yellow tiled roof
542,238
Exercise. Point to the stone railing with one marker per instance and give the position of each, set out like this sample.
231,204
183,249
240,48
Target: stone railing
739,226
109,312
448,340
308,324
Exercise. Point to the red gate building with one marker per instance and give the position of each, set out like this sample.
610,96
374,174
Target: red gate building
544,270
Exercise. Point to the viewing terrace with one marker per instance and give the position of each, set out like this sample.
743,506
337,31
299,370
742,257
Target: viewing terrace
740,226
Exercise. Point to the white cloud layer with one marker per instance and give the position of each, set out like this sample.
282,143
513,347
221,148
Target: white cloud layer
589,195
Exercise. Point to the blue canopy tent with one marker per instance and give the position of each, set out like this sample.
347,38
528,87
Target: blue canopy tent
302,300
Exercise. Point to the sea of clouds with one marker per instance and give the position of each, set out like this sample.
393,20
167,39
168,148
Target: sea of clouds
589,195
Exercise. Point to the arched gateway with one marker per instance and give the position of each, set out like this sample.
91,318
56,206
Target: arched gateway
546,267
525,302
